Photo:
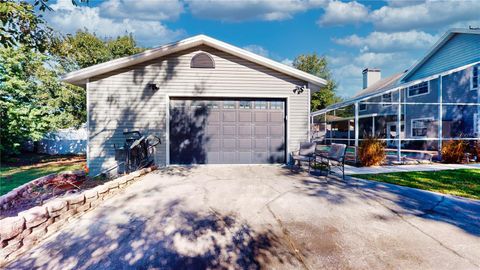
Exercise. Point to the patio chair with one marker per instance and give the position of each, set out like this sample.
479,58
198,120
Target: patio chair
305,153
335,157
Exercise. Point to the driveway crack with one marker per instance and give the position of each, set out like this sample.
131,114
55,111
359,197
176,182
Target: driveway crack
293,247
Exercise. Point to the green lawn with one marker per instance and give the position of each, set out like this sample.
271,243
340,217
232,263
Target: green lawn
14,176
461,182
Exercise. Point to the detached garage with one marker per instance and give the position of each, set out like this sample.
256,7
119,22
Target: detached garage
210,102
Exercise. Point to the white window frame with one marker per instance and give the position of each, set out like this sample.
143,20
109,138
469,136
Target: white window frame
411,96
359,107
391,99
416,119
478,78
476,124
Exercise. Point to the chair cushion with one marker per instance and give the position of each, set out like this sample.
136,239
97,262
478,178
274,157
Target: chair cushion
307,149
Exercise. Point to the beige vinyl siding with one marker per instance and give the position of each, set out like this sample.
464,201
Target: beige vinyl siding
121,100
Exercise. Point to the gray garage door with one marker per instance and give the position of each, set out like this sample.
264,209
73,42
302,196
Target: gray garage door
228,131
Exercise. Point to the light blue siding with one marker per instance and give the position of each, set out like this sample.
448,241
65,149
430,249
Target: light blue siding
460,50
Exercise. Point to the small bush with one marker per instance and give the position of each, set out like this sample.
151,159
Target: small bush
474,150
371,152
454,151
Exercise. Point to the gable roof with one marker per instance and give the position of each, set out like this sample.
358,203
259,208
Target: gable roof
383,84
436,47
79,77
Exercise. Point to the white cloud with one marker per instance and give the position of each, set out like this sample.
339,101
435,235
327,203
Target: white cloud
287,61
67,18
142,9
389,42
236,11
340,13
257,49
399,15
425,15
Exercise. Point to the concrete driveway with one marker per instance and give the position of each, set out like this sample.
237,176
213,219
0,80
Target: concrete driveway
251,217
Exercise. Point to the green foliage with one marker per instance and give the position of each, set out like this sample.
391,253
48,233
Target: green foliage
85,49
33,100
318,66
21,26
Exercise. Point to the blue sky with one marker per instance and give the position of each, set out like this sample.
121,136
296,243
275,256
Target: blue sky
390,35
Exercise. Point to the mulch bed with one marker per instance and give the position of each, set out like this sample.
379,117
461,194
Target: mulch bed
39,193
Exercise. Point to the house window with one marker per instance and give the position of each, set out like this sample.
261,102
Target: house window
387,98
418,89
475,79
261,105
476,124
245,104
276,105
362,107
229,104
202,60
420,127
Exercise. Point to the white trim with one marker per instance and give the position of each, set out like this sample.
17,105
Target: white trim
88,122
407,89
478,78
77,77
411,127
193,95
310,119
167,129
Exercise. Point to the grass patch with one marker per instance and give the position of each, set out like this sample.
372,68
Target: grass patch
14,176
461,182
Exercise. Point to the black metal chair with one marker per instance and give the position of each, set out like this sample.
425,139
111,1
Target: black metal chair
335,157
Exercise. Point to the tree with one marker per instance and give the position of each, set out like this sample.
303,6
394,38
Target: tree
22,25
85,49
318,66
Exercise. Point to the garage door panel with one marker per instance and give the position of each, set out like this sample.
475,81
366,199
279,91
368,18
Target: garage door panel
229,116
261,131
229,158
214,117
244,131
261,116
276,131
244,144
227,131
276,117
244,116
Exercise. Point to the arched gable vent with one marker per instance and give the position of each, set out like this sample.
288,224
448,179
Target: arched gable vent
202,60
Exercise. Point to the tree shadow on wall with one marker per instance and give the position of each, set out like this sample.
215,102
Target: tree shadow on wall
188,139
170,239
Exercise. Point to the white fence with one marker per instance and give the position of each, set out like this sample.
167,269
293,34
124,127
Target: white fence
64,141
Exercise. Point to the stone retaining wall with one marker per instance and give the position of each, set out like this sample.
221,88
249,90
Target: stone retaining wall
20,233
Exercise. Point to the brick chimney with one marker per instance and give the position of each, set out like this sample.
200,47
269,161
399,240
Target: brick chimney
371,76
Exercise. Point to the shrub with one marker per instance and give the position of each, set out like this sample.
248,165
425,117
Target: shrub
454,151
371,152
474,150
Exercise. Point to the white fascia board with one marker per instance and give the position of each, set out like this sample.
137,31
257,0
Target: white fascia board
76,77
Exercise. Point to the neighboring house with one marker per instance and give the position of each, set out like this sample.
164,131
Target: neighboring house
64,141
209,102
416,110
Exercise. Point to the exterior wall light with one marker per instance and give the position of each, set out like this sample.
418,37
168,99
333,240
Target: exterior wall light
153,87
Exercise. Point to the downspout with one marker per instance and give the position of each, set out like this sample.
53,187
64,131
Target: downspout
356,132
440,115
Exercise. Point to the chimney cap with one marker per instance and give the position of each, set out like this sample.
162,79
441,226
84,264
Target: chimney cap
365,70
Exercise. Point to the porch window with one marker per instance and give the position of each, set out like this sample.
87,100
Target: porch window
387,98
420,127
475,79
418,89
362,107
